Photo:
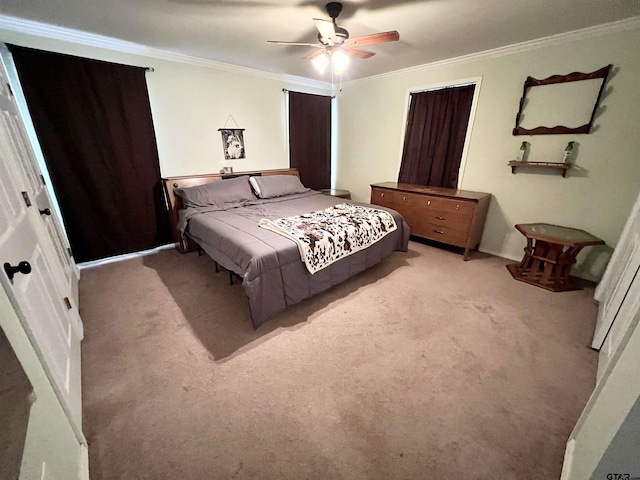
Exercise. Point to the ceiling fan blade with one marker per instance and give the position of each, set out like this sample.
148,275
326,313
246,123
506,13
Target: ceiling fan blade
315,54
326,28
299,44
382,37
357,52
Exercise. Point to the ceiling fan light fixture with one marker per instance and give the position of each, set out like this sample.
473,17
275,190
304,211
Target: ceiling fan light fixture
320,62
339,61
334,44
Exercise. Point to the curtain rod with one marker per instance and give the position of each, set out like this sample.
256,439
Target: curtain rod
11,47
458,85
287,91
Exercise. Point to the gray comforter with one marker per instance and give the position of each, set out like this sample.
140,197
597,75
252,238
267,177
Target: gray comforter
274,276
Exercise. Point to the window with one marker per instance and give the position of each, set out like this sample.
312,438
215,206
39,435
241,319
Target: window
435,135
310,138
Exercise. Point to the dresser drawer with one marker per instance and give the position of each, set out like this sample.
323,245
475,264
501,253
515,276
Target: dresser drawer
428,203
457,206
456,220
456,225
402,198
444,234
380,196
407,211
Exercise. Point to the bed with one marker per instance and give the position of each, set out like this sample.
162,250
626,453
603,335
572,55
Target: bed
227,229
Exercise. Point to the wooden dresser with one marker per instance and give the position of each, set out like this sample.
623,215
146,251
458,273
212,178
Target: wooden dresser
447,215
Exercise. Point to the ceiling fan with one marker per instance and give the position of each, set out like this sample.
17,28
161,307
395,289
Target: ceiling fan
334,45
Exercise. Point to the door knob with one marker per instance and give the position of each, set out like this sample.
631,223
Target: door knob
23,267
46,211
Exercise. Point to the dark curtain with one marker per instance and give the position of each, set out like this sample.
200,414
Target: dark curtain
93,121
434,139
310,138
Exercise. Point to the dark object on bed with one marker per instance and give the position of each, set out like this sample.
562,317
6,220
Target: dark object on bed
226,176
274,276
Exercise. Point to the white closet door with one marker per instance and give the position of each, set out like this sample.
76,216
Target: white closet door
15,141
617,310
16,144
38,289
613,287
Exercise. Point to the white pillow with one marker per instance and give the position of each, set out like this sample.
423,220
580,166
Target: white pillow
255,186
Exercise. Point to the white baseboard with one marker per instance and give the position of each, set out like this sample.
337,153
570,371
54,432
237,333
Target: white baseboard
83,474
127,256
567,465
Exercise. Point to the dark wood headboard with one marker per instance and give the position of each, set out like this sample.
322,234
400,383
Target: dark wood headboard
174,202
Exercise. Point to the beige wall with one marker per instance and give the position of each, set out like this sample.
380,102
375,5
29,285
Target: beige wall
597,196
190,103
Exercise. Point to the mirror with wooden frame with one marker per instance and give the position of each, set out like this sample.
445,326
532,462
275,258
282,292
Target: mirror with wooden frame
570,102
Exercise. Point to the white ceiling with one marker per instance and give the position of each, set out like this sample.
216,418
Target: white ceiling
236,31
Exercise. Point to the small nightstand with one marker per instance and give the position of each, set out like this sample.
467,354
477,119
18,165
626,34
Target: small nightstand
337,193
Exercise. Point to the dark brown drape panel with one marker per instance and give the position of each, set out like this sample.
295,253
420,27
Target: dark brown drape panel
310,138
434,139
93,122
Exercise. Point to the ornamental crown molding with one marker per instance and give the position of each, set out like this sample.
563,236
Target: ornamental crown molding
44,30
558,39
79,37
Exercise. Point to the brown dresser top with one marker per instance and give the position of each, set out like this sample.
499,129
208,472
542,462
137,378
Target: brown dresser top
424,189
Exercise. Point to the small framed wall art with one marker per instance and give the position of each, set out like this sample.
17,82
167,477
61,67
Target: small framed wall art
232,143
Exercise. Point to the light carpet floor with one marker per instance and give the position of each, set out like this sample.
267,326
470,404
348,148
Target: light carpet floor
422,367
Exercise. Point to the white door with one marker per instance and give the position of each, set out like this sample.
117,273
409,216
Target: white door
35,273
614,312
612,289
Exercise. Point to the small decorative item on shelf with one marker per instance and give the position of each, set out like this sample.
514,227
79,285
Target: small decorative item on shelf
568,152
522,152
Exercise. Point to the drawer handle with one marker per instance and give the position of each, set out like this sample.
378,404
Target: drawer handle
439,231
404,199
457,207
428,202
441,218
382,195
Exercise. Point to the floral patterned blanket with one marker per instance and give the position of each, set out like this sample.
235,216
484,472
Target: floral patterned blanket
326,236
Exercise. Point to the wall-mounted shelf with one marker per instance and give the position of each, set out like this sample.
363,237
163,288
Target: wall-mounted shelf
563,167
